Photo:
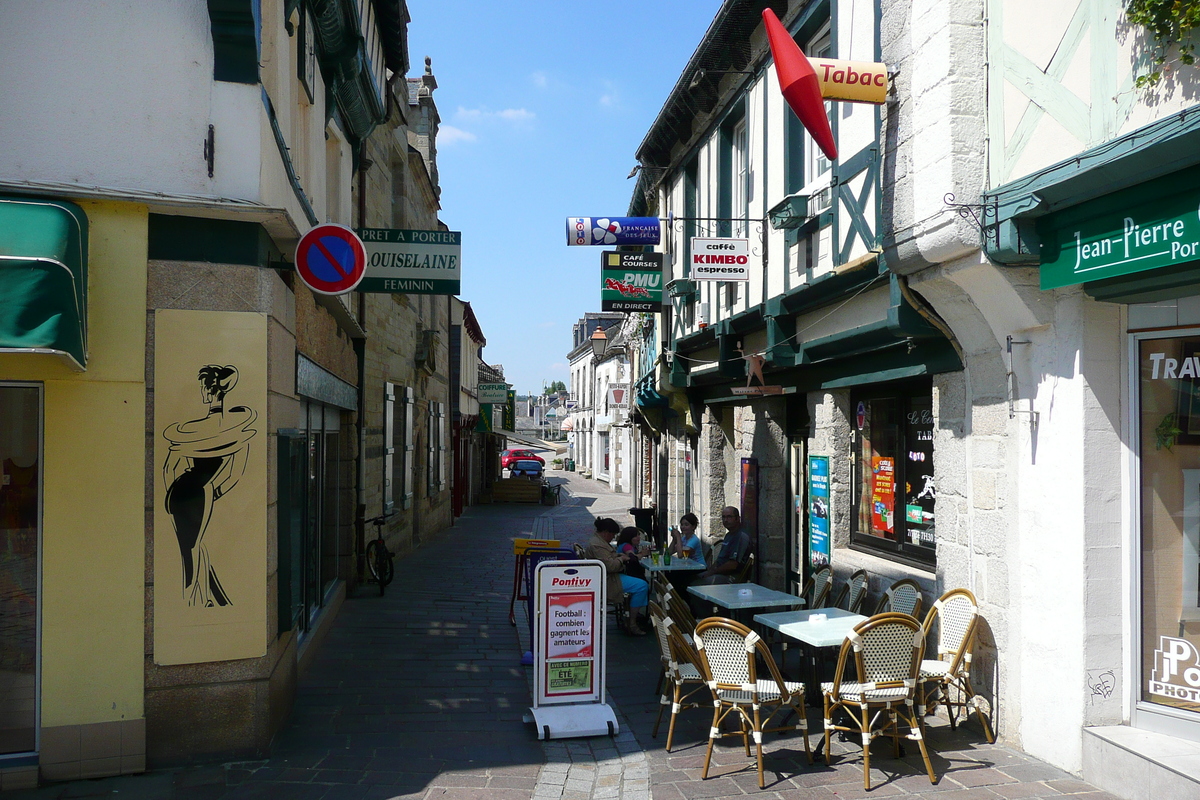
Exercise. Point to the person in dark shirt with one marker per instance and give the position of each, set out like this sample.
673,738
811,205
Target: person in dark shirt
734,551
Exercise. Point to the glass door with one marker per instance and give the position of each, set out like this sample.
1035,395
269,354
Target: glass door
20,523
1167,425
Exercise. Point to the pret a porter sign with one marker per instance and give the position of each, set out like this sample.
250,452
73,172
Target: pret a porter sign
412,262
1156,224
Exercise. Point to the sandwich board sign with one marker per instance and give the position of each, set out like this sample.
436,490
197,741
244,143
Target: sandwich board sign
569,651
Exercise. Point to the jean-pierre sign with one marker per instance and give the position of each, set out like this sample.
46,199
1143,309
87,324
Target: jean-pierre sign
1147,227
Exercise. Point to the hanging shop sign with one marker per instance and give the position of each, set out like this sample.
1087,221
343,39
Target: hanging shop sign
618,395
631,281
493,392
569,651
720,259
851,81
1153,225
510,412
330,259
818,511
412,262
799,84
602,231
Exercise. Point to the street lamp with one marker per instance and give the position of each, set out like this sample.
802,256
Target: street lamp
599,343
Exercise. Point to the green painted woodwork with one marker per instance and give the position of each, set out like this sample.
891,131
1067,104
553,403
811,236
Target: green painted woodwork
235,40
43,278
217,241
1167,283
1162,148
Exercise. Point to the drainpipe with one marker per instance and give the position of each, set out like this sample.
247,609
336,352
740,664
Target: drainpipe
360,355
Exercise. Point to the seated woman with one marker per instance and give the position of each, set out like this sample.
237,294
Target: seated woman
598,547
685,538
629,542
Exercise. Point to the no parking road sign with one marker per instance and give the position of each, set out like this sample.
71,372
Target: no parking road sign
331,259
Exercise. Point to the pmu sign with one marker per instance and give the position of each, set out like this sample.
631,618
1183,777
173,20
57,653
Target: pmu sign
330,259
631,281
588,231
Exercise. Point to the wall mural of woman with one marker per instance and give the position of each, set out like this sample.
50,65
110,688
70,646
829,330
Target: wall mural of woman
206,459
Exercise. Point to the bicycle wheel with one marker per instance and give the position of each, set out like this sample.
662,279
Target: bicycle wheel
385,568
373,548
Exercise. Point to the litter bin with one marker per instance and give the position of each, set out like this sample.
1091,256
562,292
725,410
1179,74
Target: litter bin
570,465
646,519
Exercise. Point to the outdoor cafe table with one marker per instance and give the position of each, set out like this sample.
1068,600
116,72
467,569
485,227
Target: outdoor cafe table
739,596
676,565
817,634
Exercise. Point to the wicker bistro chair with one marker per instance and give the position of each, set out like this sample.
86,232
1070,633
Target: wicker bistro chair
745,571
679,661
902,597
729,655
817,588
680,611
854,591
887,650
949,675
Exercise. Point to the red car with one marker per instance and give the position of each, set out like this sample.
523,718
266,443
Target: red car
509,456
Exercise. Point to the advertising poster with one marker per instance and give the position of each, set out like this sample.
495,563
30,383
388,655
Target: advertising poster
883,494
210,495
750,501
570,644
818,511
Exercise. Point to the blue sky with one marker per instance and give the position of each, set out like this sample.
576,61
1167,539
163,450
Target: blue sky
543,105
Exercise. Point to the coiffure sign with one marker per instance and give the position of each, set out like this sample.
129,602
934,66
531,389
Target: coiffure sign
720,259
591,231
1176,672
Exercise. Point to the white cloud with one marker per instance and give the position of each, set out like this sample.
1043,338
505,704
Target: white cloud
448,135
610,96
514,115
540,79
547,324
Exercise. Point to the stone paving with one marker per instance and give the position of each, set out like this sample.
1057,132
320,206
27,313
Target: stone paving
420,694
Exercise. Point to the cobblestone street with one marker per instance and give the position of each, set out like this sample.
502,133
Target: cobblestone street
420,694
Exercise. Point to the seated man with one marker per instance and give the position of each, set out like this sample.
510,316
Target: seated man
735,549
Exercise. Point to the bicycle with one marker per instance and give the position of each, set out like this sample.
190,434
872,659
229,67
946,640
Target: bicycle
379,558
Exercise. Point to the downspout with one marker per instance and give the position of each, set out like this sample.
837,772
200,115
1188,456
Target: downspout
360,355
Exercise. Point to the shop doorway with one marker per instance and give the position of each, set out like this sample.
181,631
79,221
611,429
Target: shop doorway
20,530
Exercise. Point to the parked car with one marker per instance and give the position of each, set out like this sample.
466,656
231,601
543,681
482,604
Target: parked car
509,456
526,468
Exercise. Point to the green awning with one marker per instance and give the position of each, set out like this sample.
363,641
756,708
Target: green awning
43,278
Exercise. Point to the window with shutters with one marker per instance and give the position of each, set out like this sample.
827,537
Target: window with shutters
398,447
436,461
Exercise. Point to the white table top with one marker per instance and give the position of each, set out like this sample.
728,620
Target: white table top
676,565
798,625
745,595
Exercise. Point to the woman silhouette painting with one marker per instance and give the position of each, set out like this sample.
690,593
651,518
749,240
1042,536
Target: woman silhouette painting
206,459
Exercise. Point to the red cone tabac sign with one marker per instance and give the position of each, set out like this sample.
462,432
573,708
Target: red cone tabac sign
799,84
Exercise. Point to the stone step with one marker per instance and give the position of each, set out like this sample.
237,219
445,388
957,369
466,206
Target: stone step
1140,765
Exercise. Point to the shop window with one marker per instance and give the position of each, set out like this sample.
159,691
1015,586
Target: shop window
1169,461
893,472
20,521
